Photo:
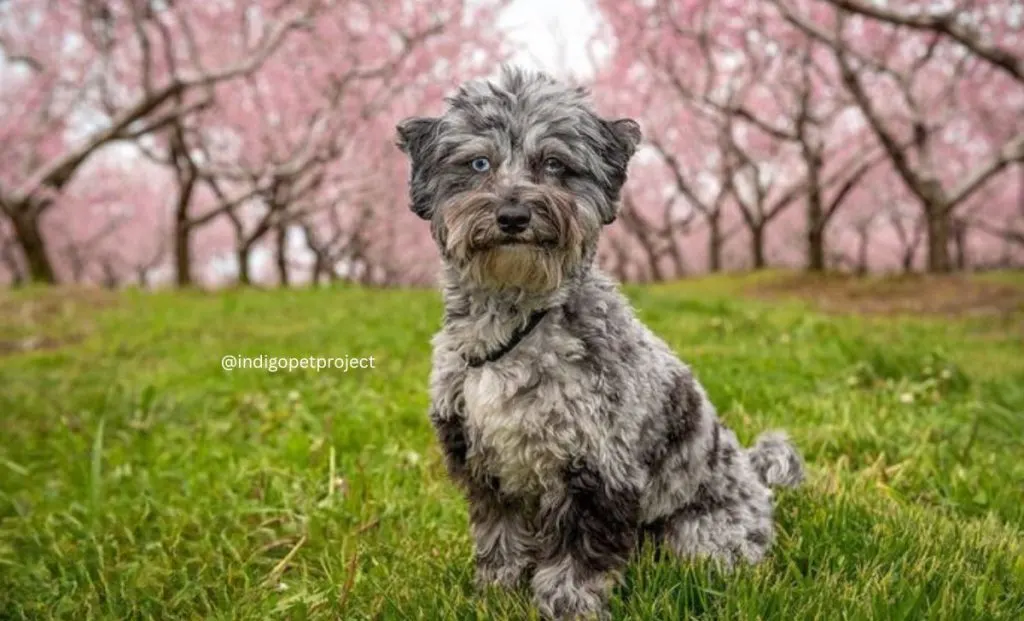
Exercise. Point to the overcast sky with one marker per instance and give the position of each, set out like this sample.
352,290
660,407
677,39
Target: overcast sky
544,28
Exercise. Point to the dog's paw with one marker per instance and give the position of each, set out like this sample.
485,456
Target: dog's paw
509,576
564,601
572,605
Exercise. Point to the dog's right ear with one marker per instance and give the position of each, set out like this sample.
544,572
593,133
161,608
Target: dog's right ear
416,137
414,132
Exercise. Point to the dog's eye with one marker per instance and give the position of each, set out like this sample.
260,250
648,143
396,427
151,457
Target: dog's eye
553,167
481,164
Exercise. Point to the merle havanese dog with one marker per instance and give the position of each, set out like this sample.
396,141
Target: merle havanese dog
574,432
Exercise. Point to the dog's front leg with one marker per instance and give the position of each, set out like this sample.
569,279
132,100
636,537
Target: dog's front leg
501,536
590,529
451,435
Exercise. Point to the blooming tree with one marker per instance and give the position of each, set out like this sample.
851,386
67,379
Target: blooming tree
814,102
79,75
312,133
941,91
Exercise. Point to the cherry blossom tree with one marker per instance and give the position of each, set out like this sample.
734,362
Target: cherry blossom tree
109,224
725,81
312,129
915,76
812,98
79,75
658,235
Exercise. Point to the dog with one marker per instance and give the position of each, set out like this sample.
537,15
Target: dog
574,432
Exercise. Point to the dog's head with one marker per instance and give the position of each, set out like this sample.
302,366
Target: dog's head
517,178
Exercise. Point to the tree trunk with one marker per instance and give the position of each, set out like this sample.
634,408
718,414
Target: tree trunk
183,251
1006,257
678,263
815,231
654,267
7,254
77,266
1020,190
619,266
318,269
908,260
110,279
652,271
186,175
960,243
938,229
862,253
816,250
242,256
75,263
715,243
757,246
25,222
281,243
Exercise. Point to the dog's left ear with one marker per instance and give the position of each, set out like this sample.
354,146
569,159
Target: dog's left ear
416,137
622,137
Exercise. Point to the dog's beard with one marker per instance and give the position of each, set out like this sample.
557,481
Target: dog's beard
537,261
519,266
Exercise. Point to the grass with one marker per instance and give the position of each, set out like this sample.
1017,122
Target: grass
140,480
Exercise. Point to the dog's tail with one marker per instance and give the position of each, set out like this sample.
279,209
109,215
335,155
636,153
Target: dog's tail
776,460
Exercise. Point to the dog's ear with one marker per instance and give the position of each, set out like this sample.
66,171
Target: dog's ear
621,139
417,137
414,132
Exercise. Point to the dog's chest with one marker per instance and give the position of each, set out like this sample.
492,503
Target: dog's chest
526,422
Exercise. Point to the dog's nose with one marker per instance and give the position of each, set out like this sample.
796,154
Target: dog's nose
513,218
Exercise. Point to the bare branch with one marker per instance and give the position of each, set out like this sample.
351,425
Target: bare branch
1012,151
946,23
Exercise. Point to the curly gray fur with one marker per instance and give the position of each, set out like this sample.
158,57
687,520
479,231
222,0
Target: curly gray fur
590,435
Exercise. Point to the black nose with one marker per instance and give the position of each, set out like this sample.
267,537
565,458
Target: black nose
513,218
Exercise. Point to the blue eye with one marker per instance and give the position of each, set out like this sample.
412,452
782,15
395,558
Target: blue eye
553,167
481,164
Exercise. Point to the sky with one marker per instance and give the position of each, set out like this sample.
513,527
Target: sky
553,34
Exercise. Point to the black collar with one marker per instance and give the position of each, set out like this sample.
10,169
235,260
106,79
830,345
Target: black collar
517,336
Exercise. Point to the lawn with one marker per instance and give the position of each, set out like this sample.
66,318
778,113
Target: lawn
138,479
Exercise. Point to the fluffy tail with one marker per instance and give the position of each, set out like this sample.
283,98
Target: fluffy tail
776,460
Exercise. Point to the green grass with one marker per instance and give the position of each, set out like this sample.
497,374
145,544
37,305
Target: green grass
140,480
